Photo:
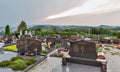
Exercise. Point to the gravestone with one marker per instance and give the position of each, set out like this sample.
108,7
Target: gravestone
83,49
51,40
83,52
8,41
65,43
1,48
26,44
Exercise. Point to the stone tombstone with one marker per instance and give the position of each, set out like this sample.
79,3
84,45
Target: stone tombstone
26,44
65,43
51,40
9,41
83,49
1,47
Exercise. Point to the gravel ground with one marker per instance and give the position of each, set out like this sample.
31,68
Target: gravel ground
113,61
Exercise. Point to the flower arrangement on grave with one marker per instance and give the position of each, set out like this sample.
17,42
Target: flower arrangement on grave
118,46
98,48
61,53
29,53
101,56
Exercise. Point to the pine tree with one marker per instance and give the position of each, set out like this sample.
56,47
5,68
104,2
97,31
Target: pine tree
7,30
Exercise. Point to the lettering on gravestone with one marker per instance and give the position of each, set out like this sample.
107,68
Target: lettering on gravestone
83,49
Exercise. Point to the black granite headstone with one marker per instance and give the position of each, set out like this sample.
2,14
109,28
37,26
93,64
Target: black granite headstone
83,49
26,45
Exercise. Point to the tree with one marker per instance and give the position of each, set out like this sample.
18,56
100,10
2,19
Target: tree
22,26
118,35
7,30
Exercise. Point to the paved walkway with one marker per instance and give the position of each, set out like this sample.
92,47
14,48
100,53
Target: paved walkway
53,64
48,65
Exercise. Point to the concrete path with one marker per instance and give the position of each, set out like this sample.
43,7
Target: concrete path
47,65
53,64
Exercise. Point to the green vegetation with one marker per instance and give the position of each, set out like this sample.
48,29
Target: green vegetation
98,48
107,48
30,61
102,31
16,58
11,48
60,55
115,53
118,35
18,66
17,63
22,26
5,63
7,30
57,45
44,52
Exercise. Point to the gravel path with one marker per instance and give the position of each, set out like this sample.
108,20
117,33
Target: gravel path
113,61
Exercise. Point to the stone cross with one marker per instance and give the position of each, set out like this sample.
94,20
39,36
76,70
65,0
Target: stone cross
20,32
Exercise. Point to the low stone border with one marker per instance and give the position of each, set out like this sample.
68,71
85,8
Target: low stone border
31,66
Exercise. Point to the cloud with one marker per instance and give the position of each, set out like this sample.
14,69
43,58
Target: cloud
90,6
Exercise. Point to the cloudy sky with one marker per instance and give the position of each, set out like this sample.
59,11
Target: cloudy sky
60,12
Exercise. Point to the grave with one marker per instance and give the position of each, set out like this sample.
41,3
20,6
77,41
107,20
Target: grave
83,52
64,43
50,42
83,49
28,45
1,48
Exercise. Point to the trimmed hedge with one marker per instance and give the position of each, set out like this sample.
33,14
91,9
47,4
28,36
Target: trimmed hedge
18,66
5,63
17,63
16,58
44,51
30,61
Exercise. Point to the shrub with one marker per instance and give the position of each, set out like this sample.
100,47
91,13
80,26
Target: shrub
18,66
19,61
60,55
107,49
16,58
44,51
30,61
57,45
11,48
5,63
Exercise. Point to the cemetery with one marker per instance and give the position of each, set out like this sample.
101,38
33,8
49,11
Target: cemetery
72,53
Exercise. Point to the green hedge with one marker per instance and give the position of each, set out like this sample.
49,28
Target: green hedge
16,58
18,63
30,61
44,51
5,63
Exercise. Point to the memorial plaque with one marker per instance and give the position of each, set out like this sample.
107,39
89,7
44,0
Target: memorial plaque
83,49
